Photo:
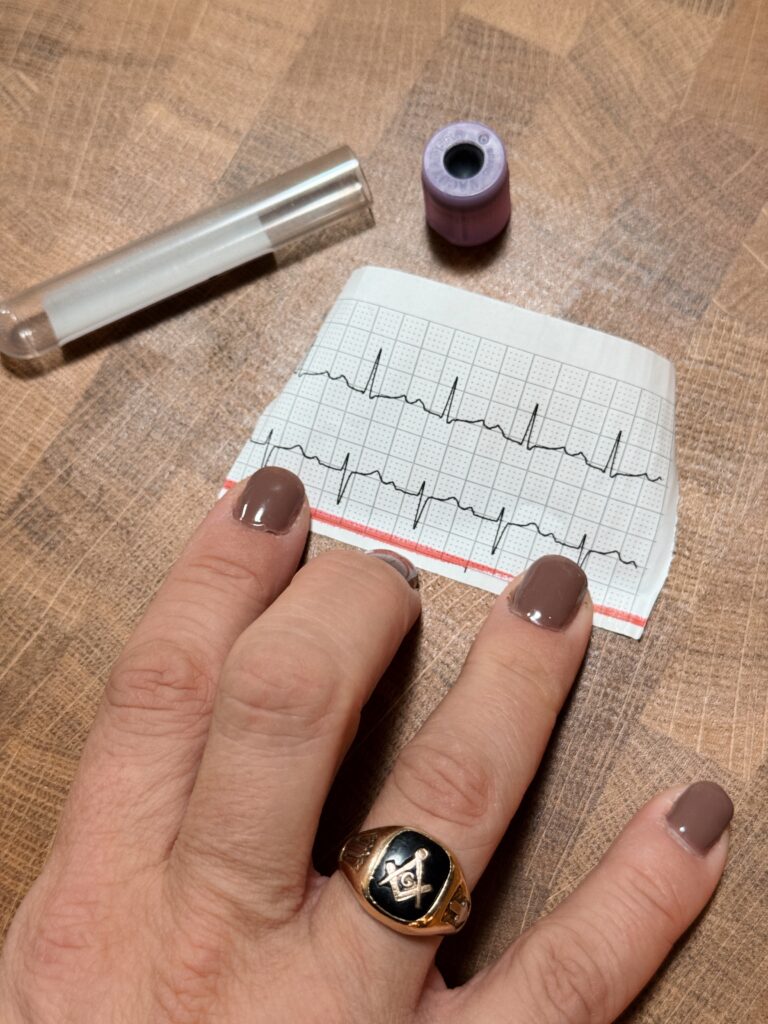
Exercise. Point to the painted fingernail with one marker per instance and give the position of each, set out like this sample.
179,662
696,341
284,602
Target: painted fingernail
400,564
271,501
701,814
550,593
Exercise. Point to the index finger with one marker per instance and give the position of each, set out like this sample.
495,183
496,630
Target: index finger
143,751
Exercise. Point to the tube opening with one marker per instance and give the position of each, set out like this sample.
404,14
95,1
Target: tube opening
464,160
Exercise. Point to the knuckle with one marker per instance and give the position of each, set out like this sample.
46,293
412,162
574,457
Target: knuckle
58,933
645,895
562,976
215,572
529,680
161,685
450,783
281,696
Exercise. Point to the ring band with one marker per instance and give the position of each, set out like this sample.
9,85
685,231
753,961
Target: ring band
407,880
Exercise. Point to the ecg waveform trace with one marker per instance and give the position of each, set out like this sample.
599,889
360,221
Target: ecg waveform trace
526,441
478,437
423,500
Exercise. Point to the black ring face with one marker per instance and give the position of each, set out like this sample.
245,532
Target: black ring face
409,876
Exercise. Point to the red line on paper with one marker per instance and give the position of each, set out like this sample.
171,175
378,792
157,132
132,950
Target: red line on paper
442,556
409,545
617,613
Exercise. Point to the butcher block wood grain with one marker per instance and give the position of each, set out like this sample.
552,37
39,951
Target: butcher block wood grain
637,133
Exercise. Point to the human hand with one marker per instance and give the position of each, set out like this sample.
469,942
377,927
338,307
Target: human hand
180,887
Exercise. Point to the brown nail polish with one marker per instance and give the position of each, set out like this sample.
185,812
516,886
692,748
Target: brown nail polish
550,593
700,815
271,501
399,563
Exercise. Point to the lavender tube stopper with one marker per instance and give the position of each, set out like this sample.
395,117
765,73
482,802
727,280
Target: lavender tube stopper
466,183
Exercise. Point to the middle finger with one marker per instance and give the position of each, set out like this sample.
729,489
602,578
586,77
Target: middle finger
287,707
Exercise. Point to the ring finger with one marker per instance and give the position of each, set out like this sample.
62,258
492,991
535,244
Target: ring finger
463,775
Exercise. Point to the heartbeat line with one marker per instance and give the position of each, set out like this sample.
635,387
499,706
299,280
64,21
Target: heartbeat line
501,523
446,413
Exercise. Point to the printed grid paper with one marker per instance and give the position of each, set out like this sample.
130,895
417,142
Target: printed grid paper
475,436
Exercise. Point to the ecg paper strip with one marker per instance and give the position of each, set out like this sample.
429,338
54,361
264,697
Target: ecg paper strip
475,436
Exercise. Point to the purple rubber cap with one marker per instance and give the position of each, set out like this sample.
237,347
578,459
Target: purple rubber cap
466,183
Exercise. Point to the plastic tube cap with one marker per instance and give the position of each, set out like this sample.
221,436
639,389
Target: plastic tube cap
466,183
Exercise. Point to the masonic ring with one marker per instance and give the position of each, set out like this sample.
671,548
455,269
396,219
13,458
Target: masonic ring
406,880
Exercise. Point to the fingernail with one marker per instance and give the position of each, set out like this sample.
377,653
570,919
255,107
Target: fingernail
400,564
550,593
271,501
701,814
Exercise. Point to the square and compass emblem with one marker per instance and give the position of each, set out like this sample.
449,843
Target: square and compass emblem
409,876
407,880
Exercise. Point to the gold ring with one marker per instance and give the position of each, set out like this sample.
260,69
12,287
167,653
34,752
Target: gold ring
407,880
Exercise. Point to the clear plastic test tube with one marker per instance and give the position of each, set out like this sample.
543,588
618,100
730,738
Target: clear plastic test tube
184,254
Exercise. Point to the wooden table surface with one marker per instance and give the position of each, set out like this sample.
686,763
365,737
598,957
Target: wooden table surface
637,134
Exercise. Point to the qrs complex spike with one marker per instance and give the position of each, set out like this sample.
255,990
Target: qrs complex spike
500,521
526,441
